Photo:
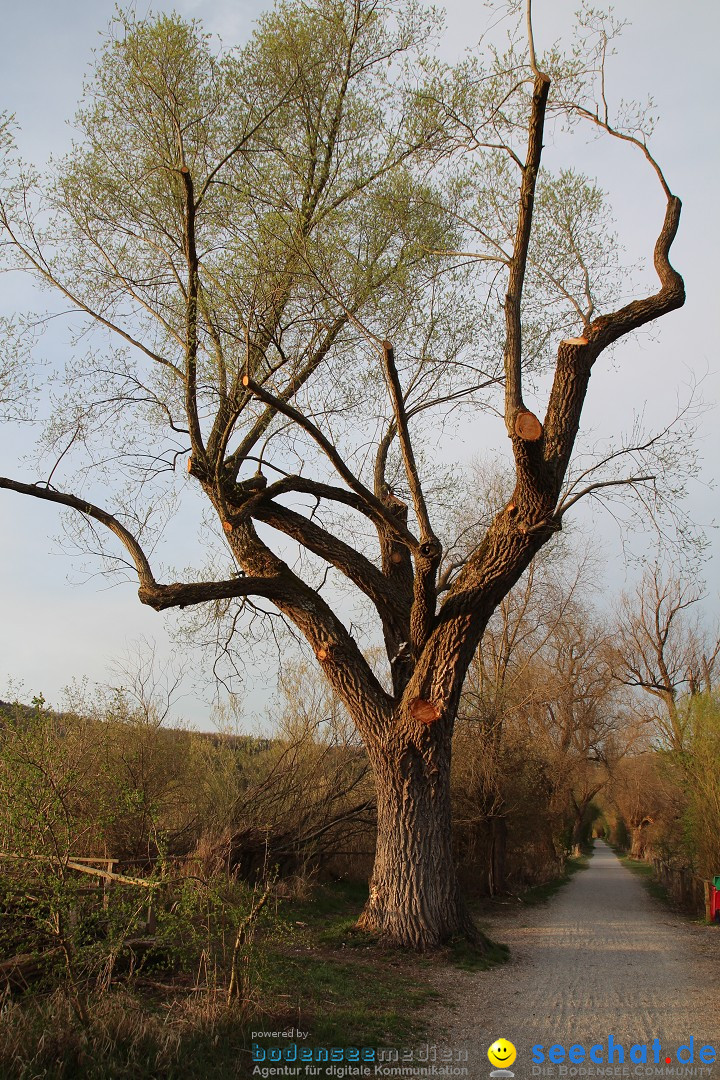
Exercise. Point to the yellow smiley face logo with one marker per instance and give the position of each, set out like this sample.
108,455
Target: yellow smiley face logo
502,1053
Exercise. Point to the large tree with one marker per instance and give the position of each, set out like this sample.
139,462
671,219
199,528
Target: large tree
305,253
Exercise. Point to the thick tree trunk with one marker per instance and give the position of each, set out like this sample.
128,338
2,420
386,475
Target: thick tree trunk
638,835
498,849
414,896
577,832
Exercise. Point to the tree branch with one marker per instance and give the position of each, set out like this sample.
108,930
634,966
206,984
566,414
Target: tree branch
518,262
565,504
608,328
531,43
151,592
342,662
346,559
43,270
350,479
222,432
401,423
576,356
427,557
191,317
89,509
181,594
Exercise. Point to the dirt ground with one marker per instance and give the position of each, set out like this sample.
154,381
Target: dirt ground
601,959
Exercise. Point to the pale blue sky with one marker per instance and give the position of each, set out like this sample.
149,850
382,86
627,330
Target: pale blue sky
51,630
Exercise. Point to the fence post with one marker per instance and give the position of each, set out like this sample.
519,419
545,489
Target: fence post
151,923
106,885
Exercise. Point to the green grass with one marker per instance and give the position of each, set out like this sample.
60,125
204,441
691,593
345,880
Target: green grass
645,872
329,901
130,1035
341,984
487,954
345,997
346,988
540,894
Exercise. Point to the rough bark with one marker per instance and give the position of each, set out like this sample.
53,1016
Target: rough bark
414,897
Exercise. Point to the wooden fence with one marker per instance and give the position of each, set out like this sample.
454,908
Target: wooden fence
17,972
687,889
105,874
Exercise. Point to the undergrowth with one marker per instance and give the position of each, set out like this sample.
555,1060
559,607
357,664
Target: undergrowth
540,894
303,968
645,872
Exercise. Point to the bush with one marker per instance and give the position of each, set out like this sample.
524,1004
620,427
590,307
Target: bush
111,781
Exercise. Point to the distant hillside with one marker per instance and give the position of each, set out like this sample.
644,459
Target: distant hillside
13,711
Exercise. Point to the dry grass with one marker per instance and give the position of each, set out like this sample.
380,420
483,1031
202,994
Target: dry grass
128,1036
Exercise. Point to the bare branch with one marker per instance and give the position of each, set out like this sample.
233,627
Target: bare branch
350,562
401,423
191,316
566,503
350,479
518,262
49,494
181,595
531,44
606,329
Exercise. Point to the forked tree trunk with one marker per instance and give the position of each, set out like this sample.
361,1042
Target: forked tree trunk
414,896
638,836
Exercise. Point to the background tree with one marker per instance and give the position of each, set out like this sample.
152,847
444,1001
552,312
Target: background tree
542,724
298,801
291,247
701,769
661,649
580,715
501,760
649,800
667,656
16,382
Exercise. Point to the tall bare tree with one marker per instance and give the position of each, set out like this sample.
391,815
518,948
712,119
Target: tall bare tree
662,649
297,249
580,715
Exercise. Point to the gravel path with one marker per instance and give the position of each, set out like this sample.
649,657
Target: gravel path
601,958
